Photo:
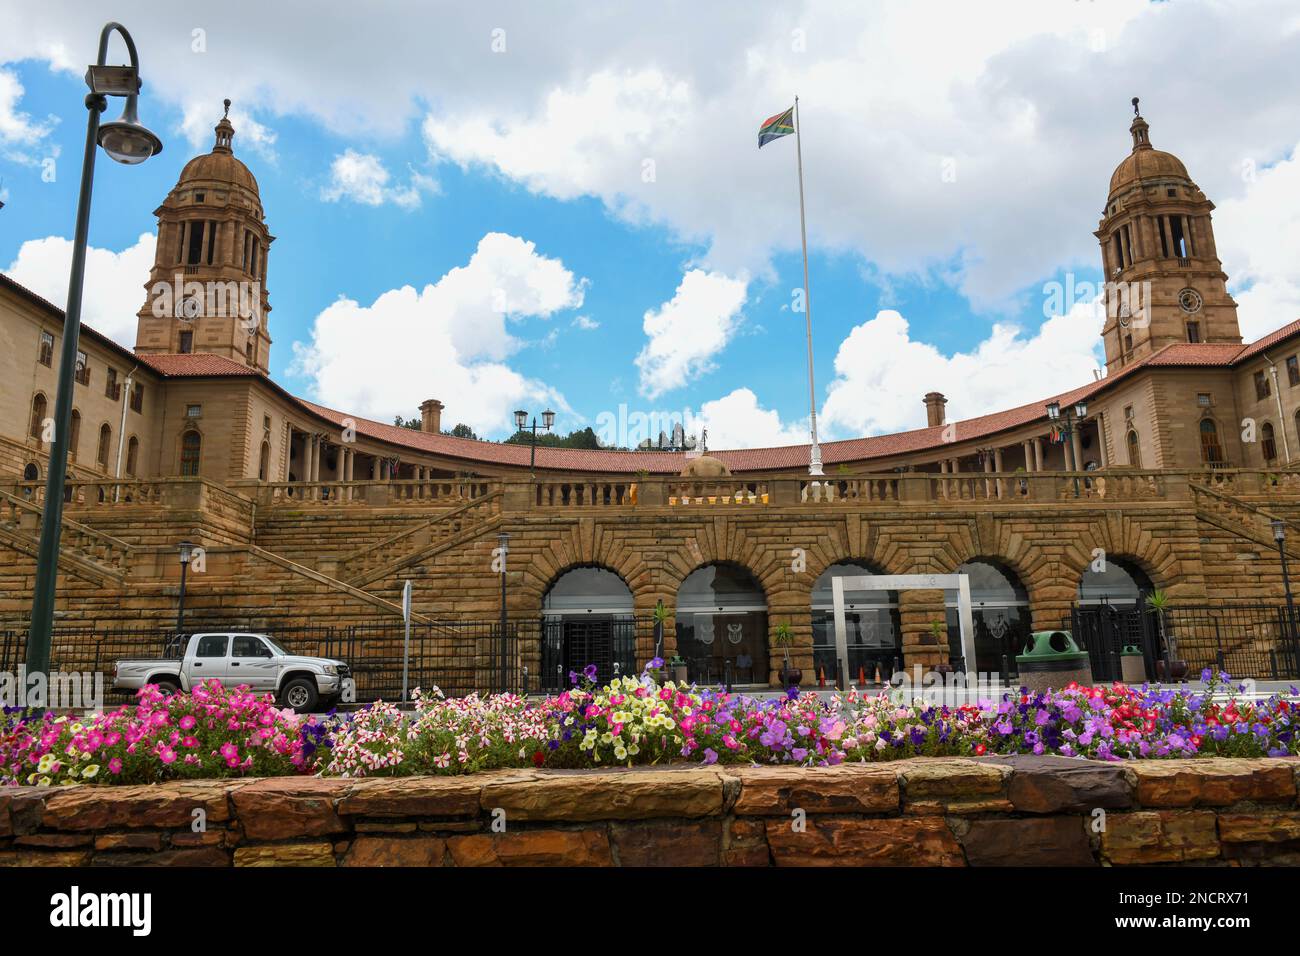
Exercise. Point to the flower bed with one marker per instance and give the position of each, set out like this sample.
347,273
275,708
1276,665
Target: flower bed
223,732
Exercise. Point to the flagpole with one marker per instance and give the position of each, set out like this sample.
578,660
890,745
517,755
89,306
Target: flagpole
815,453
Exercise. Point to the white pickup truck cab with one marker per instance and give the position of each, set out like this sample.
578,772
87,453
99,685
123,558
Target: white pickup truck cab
303,683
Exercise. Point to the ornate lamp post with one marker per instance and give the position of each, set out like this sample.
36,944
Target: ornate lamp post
503,548
1279,535
521,424
1070,422
186,551
127,142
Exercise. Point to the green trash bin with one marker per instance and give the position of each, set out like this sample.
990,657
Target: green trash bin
1051,660
1133,665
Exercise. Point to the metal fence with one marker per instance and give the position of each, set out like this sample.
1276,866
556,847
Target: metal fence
1256,641
459,657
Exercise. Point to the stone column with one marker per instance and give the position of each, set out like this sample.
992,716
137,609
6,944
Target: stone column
1101,440
1038,453
1076,447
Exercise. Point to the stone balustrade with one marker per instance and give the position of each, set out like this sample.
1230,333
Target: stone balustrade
1030,811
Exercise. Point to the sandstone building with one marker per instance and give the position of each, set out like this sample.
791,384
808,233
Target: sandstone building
1173,467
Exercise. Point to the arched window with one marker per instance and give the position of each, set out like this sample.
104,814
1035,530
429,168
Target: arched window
132,455
191,449
722,625
1211,450
999,615
105,441
1134,449
74,435
264,461
37,427
1120,584
587,619
870,620
1267,443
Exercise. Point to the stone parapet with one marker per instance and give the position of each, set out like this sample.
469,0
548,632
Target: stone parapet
918,812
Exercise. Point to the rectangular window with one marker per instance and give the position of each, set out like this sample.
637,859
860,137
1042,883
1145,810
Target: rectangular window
211,645
82,374
187,342
1164,241
1204,400
111,388
137,398
1293,371
1193,332
1262,391
212,240
193,411
46,353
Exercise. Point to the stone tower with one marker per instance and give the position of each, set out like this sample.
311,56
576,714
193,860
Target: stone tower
1164,280
207,288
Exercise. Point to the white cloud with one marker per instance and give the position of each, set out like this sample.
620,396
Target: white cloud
114,284
1257,235
737,420
881,373
363,178
585,322
686,332
201,114
20,135
447,341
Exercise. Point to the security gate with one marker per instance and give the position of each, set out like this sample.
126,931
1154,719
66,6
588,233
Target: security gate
570,644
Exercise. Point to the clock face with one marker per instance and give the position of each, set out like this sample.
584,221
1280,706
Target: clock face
1190,301
1124,317
191,307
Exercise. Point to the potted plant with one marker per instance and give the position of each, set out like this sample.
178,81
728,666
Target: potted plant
660,615
783,637
1157,603
937,639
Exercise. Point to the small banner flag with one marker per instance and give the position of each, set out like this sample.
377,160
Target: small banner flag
774,127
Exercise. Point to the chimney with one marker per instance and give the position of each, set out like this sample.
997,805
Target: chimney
431,416
934,403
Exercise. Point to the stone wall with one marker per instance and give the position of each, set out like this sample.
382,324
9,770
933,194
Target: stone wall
920,812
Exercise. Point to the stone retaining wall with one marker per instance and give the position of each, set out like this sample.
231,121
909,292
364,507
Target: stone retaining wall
921,812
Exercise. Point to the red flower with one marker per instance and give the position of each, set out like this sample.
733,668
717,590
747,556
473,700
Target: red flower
539,758
980,750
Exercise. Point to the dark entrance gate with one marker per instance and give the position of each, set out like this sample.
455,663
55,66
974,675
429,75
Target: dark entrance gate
570,644
1104,631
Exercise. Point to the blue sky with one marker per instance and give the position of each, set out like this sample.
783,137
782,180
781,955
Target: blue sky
961,260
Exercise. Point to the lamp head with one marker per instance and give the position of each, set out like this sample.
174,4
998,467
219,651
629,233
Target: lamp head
1081,408
186,550
521,419
1053,410
1279,530
125,140
548,419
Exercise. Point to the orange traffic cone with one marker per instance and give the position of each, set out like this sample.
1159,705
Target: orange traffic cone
862,676
821,677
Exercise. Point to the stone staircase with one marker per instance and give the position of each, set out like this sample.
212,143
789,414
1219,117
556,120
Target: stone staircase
83,551
426,540
1241,518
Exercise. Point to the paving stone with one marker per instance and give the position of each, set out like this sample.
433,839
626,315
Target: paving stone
413,797
607,795
281,807
675,843
1160,836
850,788
589,847
1214,781
286,854
849,841
395,851
1035,841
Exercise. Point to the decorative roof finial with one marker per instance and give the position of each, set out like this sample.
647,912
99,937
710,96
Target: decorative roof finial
1139,129
226,114
1135,106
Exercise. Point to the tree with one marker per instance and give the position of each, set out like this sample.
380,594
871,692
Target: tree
413,423
463,431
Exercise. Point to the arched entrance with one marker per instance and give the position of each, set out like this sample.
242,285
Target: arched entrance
871,618
1110,614
722,625
587,619
999,613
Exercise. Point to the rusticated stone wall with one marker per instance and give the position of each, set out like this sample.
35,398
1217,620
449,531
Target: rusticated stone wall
921,812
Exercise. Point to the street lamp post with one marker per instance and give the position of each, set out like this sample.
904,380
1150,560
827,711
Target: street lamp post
1070,422
503,548
127,142
186,551
1279,535
521,424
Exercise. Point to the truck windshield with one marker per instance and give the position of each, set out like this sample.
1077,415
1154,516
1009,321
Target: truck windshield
274,646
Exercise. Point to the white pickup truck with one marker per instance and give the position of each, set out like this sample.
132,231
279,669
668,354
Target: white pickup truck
303,683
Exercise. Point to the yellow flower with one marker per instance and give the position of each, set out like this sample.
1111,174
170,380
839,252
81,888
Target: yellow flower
90,771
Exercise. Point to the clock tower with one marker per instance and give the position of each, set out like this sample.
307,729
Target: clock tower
207,288
1164,281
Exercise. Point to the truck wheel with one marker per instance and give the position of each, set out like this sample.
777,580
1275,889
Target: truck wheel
300,694
166,686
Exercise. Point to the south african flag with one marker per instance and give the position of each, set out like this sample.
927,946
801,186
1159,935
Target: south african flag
774,127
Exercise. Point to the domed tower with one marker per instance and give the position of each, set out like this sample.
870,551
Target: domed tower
207,288
1164,279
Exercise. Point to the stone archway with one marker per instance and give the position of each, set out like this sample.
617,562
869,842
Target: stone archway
587,621
722,625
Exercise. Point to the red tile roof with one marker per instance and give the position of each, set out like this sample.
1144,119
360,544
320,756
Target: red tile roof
783,458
